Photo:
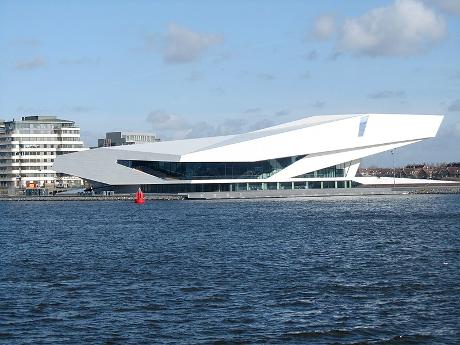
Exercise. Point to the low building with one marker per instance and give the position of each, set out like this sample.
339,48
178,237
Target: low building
29,147
126,138
439,171
454,171
314,152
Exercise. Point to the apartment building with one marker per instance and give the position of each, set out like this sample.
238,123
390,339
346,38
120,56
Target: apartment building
29,147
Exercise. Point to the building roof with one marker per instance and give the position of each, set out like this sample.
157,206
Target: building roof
131,133
36,118
323,141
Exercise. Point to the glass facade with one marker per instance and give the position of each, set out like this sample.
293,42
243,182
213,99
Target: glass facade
233,170
211,170
240,187
333,171
328,184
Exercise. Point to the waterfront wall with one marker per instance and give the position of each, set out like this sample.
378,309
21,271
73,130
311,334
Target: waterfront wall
248,194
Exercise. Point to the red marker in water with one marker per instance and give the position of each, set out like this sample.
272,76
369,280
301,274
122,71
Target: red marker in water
139,198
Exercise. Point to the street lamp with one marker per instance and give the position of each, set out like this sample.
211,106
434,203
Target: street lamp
18,179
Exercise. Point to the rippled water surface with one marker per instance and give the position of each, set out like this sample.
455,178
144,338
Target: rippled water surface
377,270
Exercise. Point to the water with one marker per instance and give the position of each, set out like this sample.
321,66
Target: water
368,270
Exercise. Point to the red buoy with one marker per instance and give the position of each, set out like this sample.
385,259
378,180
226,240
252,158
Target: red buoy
139,198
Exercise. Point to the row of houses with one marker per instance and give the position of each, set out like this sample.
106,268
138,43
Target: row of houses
445,171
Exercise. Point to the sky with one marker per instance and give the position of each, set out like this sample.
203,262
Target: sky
184,69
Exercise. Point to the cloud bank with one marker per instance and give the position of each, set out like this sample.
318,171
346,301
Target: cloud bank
173,126
185,46
404,28
448,6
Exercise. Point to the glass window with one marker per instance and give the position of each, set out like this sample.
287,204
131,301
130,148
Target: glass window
241,187
340,184
272,185
285,185
314,184
255,186
328,184
212,170
300,185
333,171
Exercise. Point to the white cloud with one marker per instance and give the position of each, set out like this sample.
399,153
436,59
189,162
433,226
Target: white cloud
454,106
318,104
90,137
217,91
305,75
150,41
311,55
263,123
457,129
252,110
231,126
324,27
184,45
30,64
27,42
449,6
32,110
387,94
78,61
266,76
404,28
283,112
334,56
172,126
195,76
81,109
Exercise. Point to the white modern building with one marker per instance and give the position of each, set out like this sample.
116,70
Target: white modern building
314,152
29,147
126,138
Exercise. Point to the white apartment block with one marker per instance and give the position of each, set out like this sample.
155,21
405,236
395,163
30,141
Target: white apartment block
29,147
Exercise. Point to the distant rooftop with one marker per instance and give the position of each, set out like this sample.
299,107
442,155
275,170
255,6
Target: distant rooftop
120,138
43,118
131,133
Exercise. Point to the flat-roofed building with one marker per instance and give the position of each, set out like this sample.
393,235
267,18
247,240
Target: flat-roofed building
126,138
29,147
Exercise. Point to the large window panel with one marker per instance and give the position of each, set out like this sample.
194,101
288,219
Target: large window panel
211,170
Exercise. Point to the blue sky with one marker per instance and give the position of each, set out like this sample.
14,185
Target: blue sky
197,68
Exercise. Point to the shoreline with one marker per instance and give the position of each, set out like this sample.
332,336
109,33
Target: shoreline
255,194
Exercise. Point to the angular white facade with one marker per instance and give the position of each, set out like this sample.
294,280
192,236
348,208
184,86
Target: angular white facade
322,149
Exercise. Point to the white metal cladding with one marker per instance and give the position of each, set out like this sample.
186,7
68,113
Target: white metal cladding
325,140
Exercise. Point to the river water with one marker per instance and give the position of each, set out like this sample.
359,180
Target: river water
339,270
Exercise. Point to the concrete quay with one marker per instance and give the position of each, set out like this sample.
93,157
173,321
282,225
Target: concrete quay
289,193
116,197
252,194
